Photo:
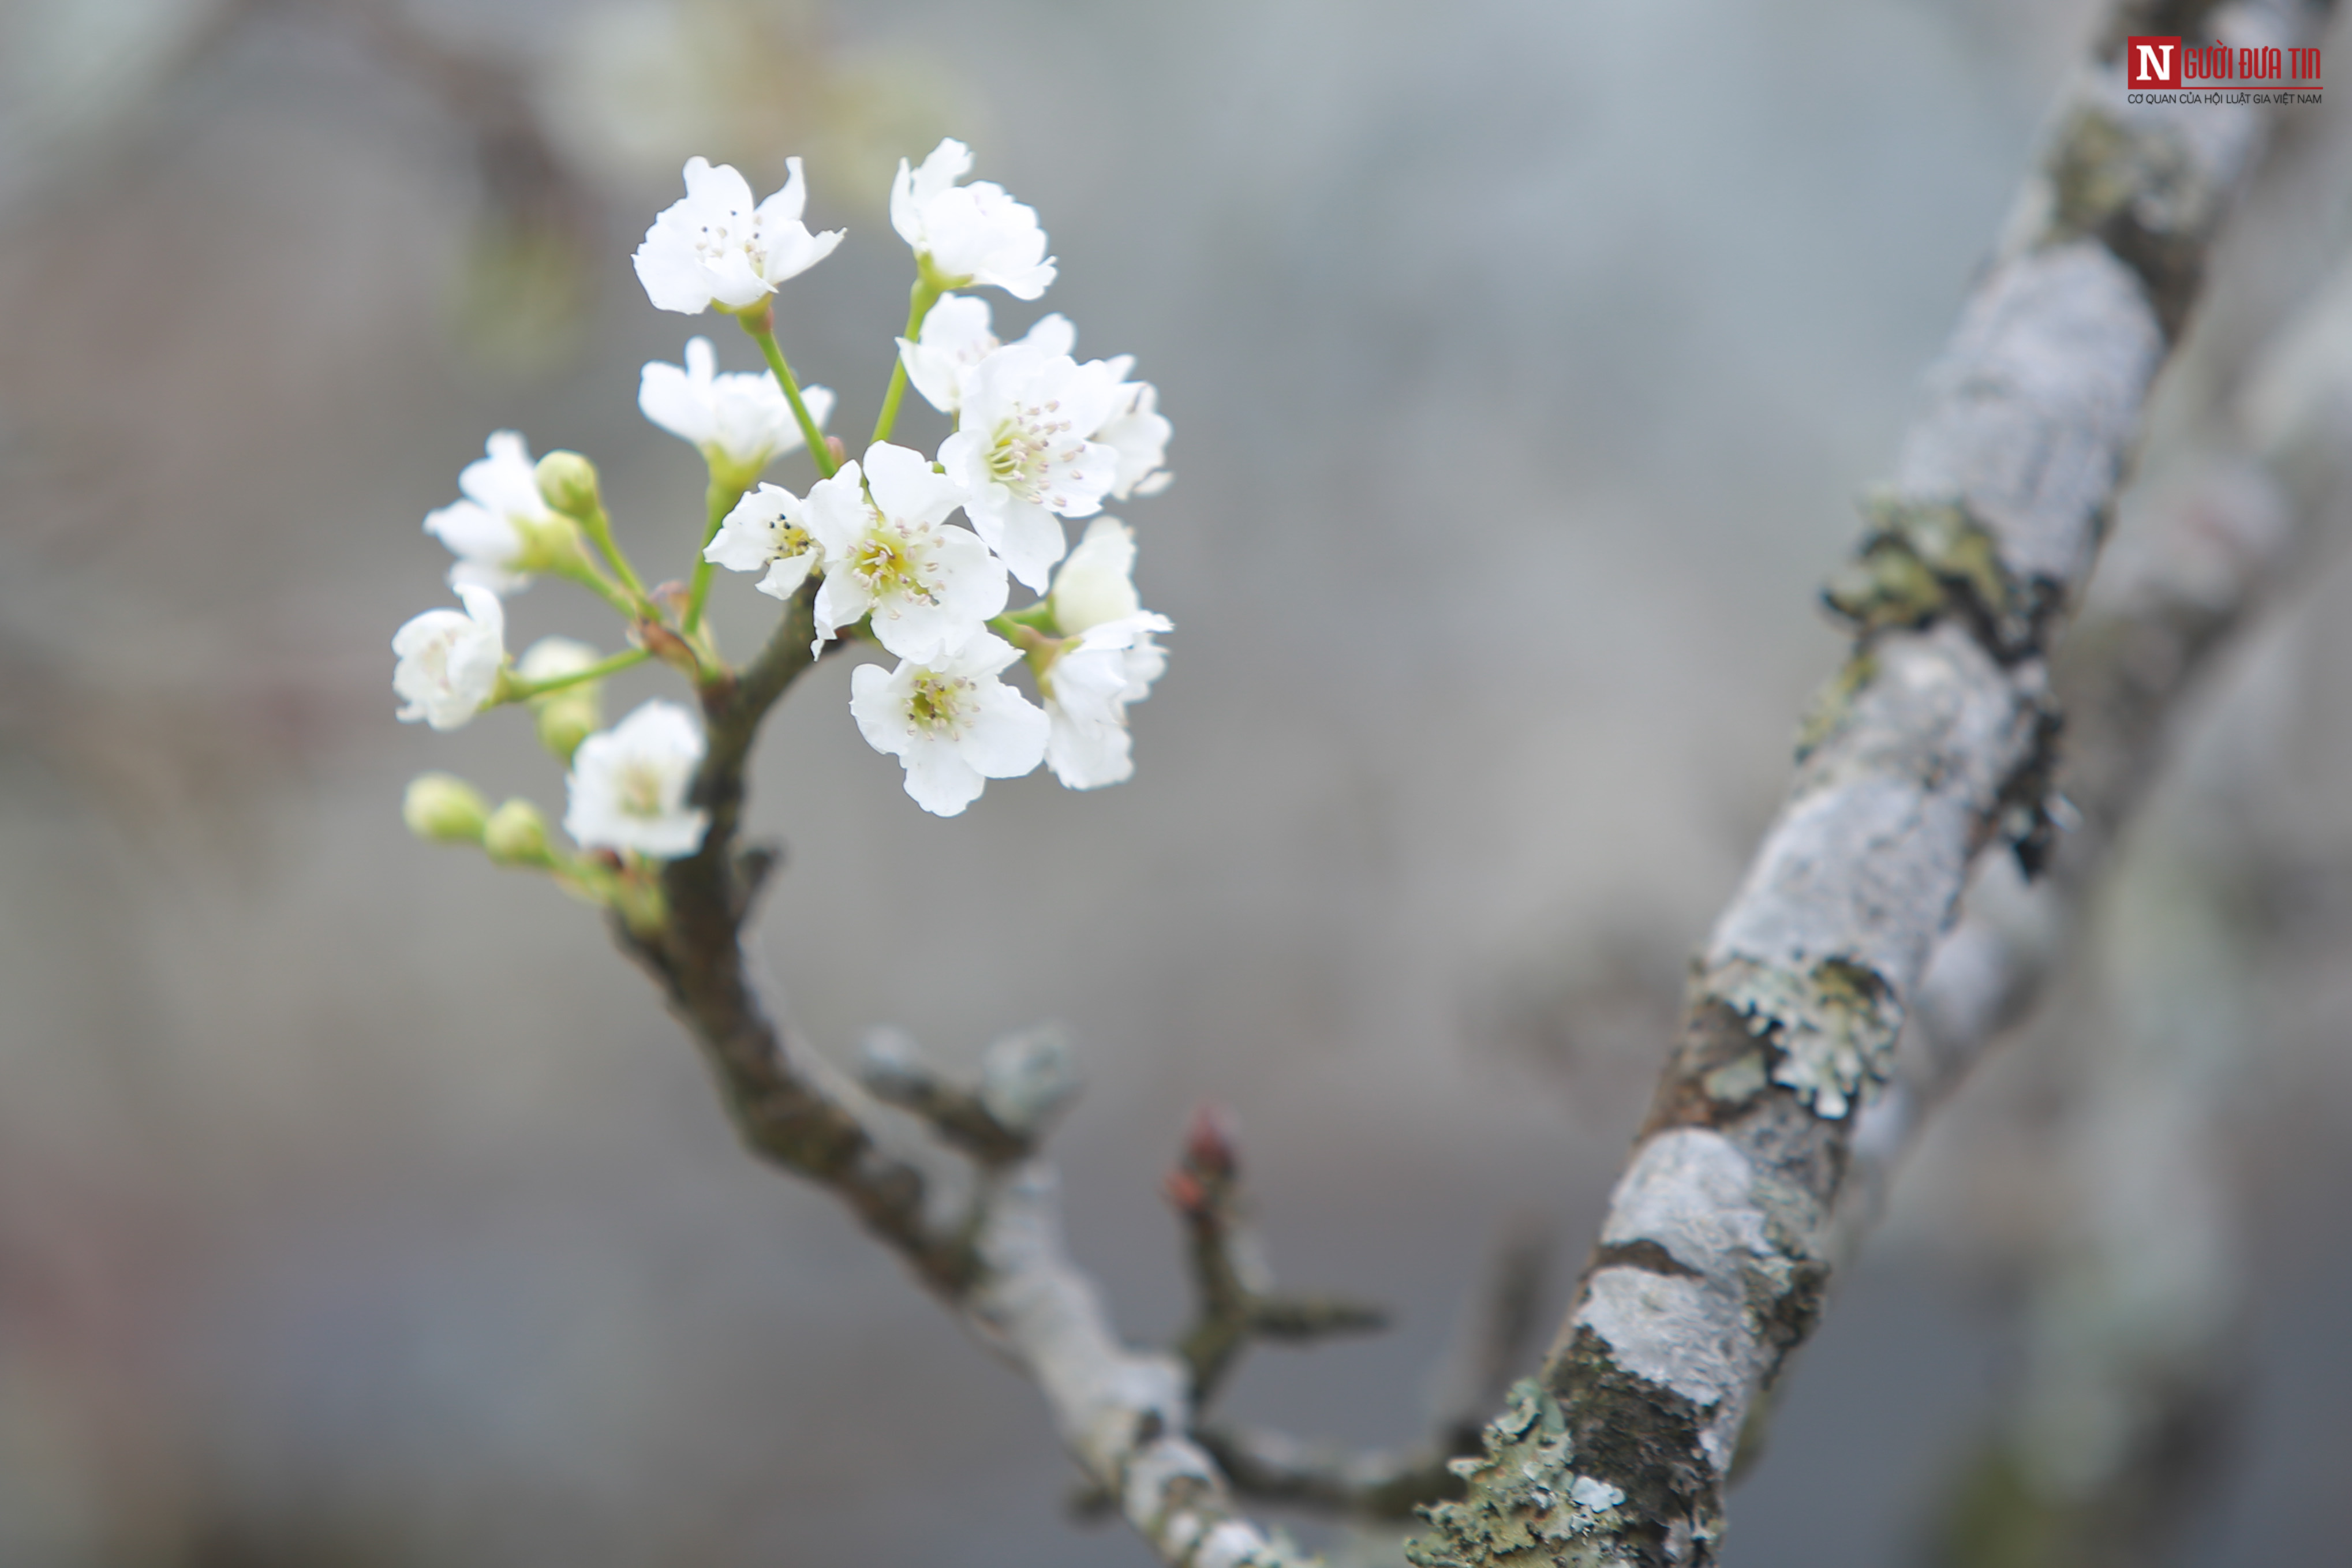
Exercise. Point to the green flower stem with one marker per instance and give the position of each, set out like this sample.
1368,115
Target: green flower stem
717,503
511,690
584,572
1037,617
763,330
926,294
1039,648
586,879
598,526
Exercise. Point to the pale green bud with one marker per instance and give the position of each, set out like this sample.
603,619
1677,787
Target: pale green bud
569,715
550,541
567,482
516,834
443,808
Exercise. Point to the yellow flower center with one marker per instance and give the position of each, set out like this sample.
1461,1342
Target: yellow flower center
937,704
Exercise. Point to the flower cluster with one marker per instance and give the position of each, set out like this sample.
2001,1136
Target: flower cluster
916,553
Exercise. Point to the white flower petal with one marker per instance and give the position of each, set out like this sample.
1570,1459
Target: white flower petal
954,338
670,397
784,578
1052,336
717,187
1007,738
629,785
878,701
835,512
673,278
735,281
1027,538
940,780
1086,756
486,529
840,600
785,207
1097,583
905,487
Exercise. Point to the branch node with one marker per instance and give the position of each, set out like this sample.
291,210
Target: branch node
1028,1079
894,1070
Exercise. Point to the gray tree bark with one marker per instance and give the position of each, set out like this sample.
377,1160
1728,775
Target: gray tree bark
1936,741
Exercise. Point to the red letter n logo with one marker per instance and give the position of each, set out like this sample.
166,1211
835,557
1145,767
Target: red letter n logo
2152,61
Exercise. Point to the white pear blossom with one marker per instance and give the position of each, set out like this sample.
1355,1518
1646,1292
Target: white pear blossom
888,552
971,233
1087,691
450,660
944,357
740,421
715,247
500,526
1114,662
955,338
765,532
629,785
950,722
1022,455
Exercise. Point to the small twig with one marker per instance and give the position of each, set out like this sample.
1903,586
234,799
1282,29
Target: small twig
1331,1478
1304,1317
1026,1081
895,1071
1232,1282
1389,1484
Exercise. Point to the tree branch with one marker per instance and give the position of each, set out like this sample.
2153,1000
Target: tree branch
1934,742
1125,1414
2241,533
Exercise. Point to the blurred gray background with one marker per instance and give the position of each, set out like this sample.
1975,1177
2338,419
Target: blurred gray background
360,1205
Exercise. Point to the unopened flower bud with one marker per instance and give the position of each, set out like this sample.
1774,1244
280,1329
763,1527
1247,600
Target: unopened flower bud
566,719
567,714
443,808
516,834
1210,1143
567,482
